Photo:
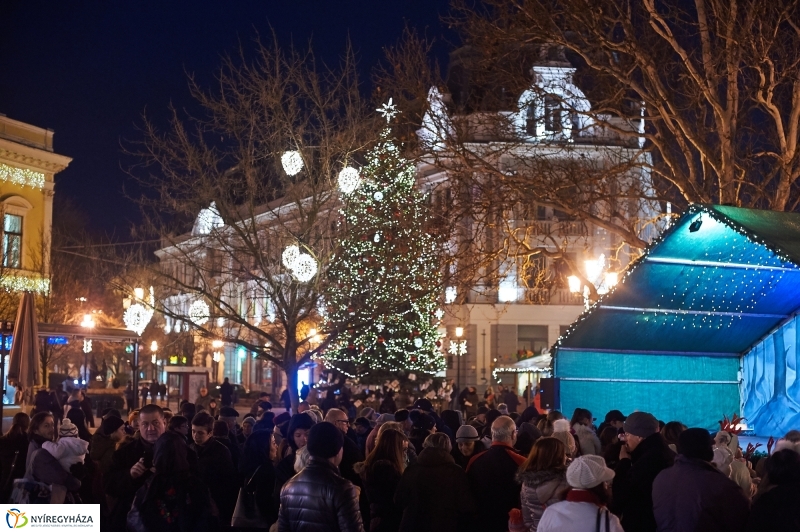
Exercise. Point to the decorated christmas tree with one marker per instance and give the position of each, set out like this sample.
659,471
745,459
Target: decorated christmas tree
385,277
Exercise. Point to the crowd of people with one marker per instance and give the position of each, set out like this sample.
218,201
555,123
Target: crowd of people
415,469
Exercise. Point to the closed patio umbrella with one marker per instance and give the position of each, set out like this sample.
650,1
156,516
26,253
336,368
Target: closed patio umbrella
23,366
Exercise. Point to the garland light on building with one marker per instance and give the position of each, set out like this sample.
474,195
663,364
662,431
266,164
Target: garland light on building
385,277
22,176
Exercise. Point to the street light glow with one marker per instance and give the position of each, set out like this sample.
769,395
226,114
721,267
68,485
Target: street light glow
459,332
87,322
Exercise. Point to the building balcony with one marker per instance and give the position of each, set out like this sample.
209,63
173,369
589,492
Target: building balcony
553,227
525,296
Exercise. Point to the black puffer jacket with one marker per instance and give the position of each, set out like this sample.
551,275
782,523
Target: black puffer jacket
319,499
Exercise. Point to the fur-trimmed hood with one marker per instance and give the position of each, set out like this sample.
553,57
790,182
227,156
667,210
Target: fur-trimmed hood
534,479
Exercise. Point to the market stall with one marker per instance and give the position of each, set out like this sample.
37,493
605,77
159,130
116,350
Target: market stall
702,325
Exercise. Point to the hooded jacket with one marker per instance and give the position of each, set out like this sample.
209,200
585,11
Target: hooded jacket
433,494
539,490
694,495
587,439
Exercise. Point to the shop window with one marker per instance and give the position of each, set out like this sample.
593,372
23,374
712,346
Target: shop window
532,338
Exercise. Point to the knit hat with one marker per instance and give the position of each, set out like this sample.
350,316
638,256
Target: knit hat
425,422
503,409
401,415
423,404
367,412
265,405
324,440
363,422
466,433
561,425
641,424
695,443
588,471
249,420
109,425
68,429
227,411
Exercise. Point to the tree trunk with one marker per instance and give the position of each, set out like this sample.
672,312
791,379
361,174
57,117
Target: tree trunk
291,381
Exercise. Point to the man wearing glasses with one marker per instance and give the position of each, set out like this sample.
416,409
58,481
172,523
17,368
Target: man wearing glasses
352,454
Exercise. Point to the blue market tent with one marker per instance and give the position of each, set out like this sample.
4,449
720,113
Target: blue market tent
702,325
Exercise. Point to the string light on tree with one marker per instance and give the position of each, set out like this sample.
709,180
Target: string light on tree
292,162
385,277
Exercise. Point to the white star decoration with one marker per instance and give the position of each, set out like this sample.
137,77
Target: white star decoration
388,110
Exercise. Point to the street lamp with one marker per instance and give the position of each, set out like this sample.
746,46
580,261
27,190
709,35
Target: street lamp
154,357
87,323
458,348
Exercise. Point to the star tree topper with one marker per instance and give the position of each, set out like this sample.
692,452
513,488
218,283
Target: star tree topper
388,110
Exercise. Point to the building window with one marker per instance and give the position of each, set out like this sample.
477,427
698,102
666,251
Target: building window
532,338
12,241
530,120
575,121
552,114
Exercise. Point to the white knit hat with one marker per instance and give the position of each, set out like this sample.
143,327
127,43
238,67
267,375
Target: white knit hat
588,471
561,425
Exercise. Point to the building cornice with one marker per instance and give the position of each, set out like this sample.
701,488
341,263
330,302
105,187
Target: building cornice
18,154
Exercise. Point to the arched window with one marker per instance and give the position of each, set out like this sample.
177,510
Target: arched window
552,114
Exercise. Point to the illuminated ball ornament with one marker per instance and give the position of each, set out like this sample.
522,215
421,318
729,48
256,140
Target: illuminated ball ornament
302,265
199,312
292,162
349,180
378,196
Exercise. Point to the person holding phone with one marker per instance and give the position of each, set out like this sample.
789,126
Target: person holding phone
131,464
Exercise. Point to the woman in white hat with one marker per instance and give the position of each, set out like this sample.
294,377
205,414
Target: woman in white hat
584,509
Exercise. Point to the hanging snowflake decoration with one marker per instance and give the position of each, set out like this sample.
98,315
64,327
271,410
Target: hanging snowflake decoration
199,312
292,162
349,180
137,316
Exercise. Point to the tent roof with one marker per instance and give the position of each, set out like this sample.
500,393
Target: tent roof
712,290
109,334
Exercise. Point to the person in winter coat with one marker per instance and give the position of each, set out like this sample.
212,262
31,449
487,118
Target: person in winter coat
584,509
778,508
492,477
257,470
543,476
172,499
582,427
644,455
296,439
433,493
423,426
104,441
13,453
469,402
693,495
215,466
380,474
131,463
318,498
468,445
42,466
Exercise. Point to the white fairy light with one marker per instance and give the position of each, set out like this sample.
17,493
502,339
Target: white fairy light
292,162
349,180
199,312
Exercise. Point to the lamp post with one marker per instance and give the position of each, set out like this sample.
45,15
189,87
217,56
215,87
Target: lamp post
87,323
136,318
154,357
458,348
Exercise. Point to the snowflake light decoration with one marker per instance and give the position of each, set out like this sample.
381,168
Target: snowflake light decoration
349,180
199,312
137,316
388,110
292,162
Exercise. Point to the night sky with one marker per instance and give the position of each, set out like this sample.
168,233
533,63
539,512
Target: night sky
89,69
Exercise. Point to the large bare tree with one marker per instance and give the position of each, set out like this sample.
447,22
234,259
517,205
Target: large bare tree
229,189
